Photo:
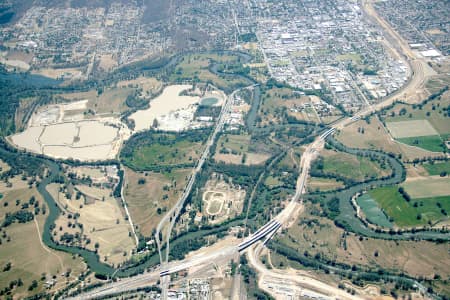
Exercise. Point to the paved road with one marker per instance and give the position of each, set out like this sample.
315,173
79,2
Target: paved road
204,258
175,211
291,279
286,215
417,79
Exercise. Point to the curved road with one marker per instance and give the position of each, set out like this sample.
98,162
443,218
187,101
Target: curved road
286,215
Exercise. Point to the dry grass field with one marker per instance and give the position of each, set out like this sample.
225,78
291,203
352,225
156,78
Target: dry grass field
22,247
57,73
112,100
4,167
196,65
146,199
238,159
148,85
234,149
107,62
83,171
13,184
436,83
415,258
426,187
433,112
403,129
276,100
102,218
323,184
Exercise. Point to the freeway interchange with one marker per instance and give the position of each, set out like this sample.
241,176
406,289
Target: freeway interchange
254,244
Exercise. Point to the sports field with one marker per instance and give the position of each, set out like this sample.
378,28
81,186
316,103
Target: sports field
413,128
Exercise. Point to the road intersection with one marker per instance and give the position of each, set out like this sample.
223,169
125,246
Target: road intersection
282,219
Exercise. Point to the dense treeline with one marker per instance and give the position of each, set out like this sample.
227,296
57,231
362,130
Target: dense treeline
21,216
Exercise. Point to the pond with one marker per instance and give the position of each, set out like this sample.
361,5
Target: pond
210,101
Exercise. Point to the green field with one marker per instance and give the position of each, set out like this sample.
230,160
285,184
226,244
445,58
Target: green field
372,211
182,152
198,67
431,143
437,168
155,151
406,214
234,143
209,101
350,166
273,182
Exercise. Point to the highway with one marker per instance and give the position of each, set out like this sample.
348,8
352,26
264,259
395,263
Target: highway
293,280
251,245
416,81
172,215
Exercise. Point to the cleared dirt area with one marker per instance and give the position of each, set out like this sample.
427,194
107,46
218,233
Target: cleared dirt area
4,167
60,131
29,257
169,101
427,187
149,198
412,128
89,140
323,184
107,62
222,200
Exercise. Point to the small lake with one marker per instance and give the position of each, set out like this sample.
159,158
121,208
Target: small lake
210,101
